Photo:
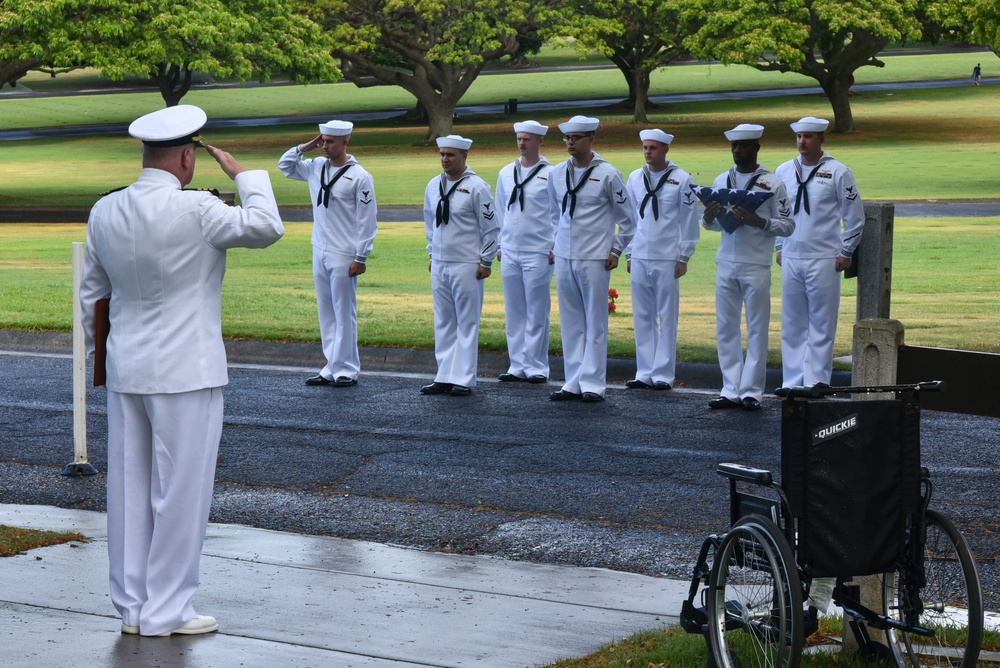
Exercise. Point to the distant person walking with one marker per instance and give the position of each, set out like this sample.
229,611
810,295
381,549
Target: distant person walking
977,74
344,227
527,232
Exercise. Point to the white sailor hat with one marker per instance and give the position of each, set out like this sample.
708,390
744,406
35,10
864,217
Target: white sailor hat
531,127
579,124
173,126
336,128
454,141
745,131
656,134
810,124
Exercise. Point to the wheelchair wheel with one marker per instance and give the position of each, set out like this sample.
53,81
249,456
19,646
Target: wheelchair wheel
951,603
755,599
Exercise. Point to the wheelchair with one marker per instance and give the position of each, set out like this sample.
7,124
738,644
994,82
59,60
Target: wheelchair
854,501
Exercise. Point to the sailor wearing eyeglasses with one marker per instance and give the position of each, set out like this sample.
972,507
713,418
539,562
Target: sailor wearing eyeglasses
597,220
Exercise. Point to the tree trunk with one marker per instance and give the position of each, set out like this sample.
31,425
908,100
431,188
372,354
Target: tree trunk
10,72
622,61
641,96
839,93
174,81
440,115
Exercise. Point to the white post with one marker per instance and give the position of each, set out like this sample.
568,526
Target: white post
79,465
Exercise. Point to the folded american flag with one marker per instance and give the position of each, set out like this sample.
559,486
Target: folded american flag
730,199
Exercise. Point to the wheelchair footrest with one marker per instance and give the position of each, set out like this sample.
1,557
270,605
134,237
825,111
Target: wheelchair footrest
693,620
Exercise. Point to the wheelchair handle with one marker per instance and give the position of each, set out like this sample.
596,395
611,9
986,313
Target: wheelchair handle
822,389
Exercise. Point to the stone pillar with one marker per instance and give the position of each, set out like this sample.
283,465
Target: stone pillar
876,350
874,260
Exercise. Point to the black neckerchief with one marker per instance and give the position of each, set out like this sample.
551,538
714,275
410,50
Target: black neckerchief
518,192
571,191
324,188
651,193
731,180
443,214
802,195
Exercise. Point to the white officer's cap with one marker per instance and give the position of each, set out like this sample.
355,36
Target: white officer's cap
336,128
579,124
173,126
745,131
531,127
454,141
656,134
810,124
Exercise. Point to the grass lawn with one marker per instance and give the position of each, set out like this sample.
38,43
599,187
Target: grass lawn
946,284
15,540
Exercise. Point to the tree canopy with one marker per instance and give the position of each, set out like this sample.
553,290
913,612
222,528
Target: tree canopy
39,33
638,36
434,49
827,40
235,39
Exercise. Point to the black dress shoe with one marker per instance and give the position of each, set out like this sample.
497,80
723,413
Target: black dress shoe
636,384
318,380
750,404
509,378
537,379
345,381
459,391
723,402
591,398
661,386
436,388
563,395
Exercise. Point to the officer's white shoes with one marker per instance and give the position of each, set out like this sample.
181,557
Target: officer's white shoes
198,624
130,630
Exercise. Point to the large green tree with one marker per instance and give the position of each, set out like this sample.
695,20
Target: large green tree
39,33
433,49
168,41
984,16
827,40
638,36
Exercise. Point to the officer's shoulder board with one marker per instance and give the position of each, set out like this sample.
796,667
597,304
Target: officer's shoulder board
203,190
113,190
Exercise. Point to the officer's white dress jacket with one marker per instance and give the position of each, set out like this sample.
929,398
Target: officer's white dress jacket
164,250
675,233
748,244
533,228
602,208
472,231
348,224
833,197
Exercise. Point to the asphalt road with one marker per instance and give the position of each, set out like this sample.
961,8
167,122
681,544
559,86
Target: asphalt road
628,484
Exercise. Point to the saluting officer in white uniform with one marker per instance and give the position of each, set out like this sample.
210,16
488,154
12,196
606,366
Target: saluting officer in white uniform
658,256
829,218
344,229
593,202
527,233
462,239
743,271
159,253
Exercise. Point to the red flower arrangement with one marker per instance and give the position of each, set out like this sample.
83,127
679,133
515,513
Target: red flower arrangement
612,296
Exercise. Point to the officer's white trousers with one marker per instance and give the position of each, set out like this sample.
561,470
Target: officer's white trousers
337,303
162,450
527,295
582,288
655,309
810,303
458,306
739,285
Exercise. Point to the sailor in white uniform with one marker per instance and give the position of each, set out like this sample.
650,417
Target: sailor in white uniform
743,271
159,253
829,218
658,256
527,233
462,231
344,228
596,222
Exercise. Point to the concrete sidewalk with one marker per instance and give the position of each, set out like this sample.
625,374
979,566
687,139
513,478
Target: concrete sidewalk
291,600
